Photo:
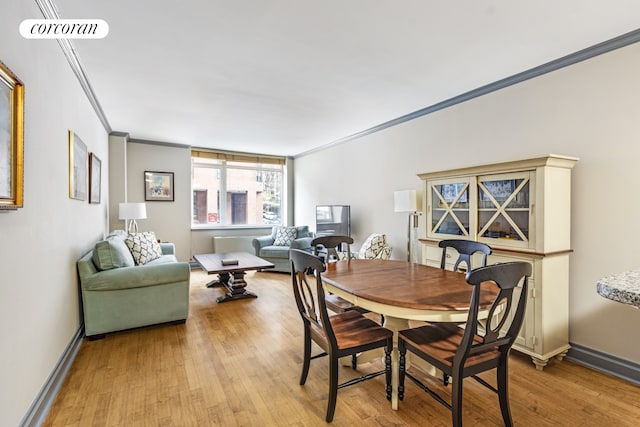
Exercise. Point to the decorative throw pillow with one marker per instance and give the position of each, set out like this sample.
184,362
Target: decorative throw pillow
112,253
284,236
372,246
144,247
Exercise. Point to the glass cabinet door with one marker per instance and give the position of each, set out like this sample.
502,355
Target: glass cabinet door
504,208
449,208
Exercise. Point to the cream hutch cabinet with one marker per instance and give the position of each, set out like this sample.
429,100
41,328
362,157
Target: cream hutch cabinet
522,209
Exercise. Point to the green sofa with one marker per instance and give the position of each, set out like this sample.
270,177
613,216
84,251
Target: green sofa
117,294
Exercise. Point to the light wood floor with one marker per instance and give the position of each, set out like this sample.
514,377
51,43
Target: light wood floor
238,364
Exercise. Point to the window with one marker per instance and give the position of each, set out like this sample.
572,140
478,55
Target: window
236,189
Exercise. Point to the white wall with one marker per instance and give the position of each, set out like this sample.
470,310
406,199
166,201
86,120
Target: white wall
39,244
169,220
589,110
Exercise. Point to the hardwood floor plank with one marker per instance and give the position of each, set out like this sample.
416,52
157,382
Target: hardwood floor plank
238,364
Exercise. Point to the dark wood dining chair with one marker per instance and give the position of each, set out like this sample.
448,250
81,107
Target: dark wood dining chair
461,352
465,249
328,247
338,335
331,245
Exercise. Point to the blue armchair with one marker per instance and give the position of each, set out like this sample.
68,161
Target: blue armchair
275,247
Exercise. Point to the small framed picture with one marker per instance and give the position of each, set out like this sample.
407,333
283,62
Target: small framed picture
158,186
77,167
95,170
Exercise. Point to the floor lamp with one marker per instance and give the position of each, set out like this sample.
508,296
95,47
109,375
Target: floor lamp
130,212
407,201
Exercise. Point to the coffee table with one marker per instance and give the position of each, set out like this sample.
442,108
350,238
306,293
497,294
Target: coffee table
219,264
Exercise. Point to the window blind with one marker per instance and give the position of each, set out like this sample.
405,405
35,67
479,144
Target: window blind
232,156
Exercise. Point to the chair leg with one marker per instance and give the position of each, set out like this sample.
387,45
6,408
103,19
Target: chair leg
503,394
354,361
387,368
307,357
401,370
456,399
333,388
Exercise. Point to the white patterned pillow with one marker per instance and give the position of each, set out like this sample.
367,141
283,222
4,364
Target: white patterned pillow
284,236
143,246
372,246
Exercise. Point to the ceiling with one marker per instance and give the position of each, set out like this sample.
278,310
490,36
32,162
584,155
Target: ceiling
288,76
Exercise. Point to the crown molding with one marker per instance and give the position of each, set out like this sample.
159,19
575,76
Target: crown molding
50,11
573,58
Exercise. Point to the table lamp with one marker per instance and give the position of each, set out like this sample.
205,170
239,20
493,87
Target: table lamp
407,201
130,212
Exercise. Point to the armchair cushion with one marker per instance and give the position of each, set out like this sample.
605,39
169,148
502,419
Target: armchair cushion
284,236
144,247
112,253
302,243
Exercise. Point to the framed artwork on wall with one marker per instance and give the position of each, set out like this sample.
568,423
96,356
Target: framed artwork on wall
77,167
95,170
158,186
11,140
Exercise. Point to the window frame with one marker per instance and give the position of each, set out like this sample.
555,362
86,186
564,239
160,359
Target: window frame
227,161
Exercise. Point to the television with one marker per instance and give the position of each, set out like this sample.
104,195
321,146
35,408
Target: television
333,220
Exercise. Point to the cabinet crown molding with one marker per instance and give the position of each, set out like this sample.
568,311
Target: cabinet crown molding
554,160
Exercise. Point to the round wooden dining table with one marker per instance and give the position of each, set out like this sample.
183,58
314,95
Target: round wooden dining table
404,291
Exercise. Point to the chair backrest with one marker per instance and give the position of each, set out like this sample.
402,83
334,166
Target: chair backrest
332,244
311,303
465,248
375,246
506,313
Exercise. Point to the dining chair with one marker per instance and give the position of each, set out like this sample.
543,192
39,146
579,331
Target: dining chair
465,249
339,335
466,351
329,247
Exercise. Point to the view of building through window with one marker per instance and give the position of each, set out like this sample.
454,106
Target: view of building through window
236,192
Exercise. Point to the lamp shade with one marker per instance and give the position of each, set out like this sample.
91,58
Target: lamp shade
132,211
405,201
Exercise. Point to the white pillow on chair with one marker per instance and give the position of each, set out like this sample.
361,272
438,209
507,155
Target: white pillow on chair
373,247
285,236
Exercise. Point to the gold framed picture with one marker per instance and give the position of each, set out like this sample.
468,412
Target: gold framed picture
77,167
11,140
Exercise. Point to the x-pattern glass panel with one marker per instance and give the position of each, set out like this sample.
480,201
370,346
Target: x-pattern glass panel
504,208
450,209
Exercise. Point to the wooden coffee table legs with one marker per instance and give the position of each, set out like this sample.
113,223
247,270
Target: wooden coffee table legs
236,286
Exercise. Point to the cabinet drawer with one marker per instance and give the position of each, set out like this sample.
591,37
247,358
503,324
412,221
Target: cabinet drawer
433,253
494,259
